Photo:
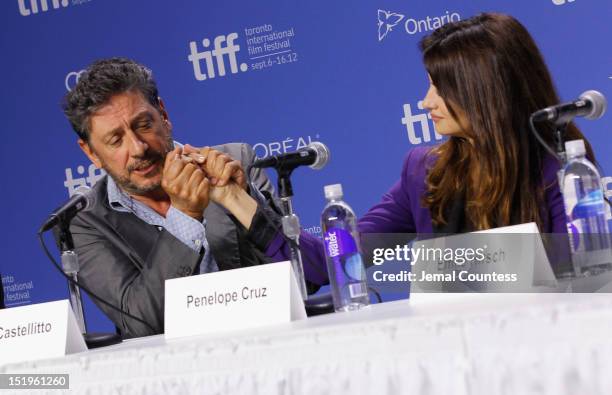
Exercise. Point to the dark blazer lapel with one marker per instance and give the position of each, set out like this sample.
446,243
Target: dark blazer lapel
138,236
131,235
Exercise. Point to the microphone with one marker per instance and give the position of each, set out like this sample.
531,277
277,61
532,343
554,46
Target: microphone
83,199
316,155
591,105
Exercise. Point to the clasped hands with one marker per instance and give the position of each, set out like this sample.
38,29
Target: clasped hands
194,176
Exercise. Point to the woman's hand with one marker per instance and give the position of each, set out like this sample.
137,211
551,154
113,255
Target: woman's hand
227,182
220,167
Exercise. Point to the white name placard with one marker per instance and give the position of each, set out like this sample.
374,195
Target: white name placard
513,259
534,262
44,330
233,299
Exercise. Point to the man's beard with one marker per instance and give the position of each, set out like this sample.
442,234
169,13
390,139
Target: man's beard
149,158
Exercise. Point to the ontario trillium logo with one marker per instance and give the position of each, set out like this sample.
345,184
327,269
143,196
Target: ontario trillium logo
387,20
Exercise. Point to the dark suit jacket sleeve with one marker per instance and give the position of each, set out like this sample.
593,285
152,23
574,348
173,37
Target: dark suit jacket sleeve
258,176
261,232
117,275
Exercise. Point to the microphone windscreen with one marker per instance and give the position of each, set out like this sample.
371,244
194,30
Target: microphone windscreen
598,102
87,193
322,155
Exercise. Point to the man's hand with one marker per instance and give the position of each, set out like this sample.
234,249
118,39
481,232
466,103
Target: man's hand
186,184
227,182
220,168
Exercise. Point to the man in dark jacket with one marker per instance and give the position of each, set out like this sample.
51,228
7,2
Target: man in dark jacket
164,210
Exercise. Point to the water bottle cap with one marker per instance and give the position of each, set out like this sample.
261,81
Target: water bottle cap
333,191
574,148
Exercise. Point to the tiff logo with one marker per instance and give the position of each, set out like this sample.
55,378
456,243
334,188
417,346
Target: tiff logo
93,175
561,2
223,45
423,119
44,6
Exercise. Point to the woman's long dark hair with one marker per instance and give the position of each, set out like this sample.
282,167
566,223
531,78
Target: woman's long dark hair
489,68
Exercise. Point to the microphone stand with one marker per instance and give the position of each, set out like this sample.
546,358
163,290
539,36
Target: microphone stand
560,142
291,226
560,148
71,267
559,136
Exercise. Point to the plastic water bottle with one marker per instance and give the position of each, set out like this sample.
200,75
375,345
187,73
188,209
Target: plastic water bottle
344,259
585,209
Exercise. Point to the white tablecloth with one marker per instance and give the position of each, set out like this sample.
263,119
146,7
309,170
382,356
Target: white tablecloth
433,344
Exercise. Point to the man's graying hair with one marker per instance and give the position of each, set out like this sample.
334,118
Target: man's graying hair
102,80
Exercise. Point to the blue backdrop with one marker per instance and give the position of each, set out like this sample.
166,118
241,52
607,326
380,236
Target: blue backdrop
347,73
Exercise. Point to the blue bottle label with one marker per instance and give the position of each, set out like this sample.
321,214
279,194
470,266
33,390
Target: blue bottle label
341,247
339,242
592,204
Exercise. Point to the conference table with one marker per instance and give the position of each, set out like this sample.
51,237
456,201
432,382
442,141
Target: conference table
430,344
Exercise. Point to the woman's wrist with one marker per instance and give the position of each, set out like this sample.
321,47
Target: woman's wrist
238,202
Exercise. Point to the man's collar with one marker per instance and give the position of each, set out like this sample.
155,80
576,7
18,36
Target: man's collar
116,197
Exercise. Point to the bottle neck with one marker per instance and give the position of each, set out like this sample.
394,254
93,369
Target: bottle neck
574,157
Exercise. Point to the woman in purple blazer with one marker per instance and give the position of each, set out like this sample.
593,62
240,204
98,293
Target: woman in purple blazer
486,77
